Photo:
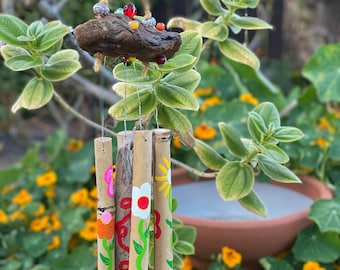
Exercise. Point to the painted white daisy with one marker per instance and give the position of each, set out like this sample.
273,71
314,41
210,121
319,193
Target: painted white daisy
141,201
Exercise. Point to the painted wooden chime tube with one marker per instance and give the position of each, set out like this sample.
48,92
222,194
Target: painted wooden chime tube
141,200
162,200
106,205
123,191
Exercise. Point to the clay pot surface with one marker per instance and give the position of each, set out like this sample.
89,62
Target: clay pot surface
254,239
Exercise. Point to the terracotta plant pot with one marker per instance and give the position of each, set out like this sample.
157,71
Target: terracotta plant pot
254,237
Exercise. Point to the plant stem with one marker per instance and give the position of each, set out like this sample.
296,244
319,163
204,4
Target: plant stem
192,170
87,121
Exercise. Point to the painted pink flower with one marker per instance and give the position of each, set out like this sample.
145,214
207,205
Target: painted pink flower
108,177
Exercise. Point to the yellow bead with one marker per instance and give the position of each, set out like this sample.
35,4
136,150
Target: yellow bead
134,25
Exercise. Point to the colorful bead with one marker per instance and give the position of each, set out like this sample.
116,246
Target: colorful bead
160,26
134,25
119,11
130,10
161,59
151,22
101,9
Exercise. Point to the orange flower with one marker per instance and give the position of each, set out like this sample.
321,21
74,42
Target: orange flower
248,97
93,169
40,210
22,198
3,217
94,193
46,179
106,226
17,215
322,143
50,192
312,265
204,132
187,263
231,257
177,142
75,145
325,125
199,92
210,102
89,233
80,197
39,224
7,189
55,243
56,224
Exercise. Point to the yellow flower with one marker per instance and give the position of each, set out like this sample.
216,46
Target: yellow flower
55,243
248,97
56,224
187,263
94,193
177,142
3,217
39,224
17,215
231,257
93,169
46,179
210,102
203,91
322,143
89,233
75,145
40,211
336,266
22,198
7,189
325,125
50,192
80,197
312,265
204,132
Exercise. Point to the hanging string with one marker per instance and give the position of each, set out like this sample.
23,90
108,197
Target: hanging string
147,12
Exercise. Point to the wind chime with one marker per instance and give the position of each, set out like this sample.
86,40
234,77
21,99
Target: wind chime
134,217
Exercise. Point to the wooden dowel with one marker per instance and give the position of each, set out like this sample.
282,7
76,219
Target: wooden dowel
162,200
141,200
123,191
106,205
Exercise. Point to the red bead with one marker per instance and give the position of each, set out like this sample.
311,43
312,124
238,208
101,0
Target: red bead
130,10
160,26
160,59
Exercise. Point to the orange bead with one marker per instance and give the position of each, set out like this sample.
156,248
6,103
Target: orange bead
160,26
134,25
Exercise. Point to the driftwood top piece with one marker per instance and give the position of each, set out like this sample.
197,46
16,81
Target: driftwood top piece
112,36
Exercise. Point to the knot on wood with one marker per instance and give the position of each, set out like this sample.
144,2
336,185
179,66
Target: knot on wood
112,36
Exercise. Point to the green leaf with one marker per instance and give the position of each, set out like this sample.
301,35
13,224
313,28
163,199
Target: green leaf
232,140
134,106
213,30
134,73
55,143
257,125
271,263
176,97
11,27
35,244
73,218
312,245
275,170
182,23
10,175
249,23
11,264
251,3
213,7
54,32
123,89
208,155
173,119
35,29
179,61
184,248
36,94
239,53
24,62
186,233
326,214
138,247
288,134
104,259
231,4
276,153
323,70
269,113
235,181
188,80
9,51
61,65
178,261
191,44
253,203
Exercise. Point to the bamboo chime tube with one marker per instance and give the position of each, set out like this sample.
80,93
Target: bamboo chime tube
141,200
162,200
123,190
106,205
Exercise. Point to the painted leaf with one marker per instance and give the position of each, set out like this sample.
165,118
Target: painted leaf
326,214
323,70
180,61
208,155
239,53
212,30
270,263
11,27
288,134
182,23
249,23
54,32
188,80
235,181
36,94
104,259
134,73
173,119
213,7
176,97
275,170
232,140
138,247
134,106
24,62
253,203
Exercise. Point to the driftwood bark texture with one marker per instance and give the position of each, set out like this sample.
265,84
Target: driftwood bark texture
112,36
